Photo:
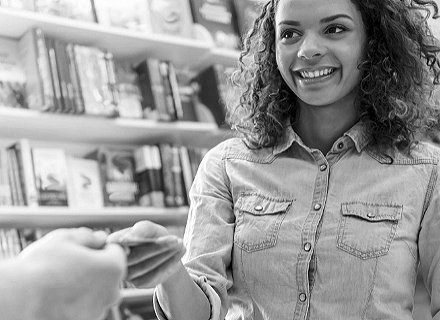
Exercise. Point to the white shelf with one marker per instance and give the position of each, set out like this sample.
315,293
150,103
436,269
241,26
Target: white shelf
54,217
35,125
123,43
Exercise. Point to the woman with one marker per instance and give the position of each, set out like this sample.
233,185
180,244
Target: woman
326,204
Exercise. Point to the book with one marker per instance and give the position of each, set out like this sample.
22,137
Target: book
34,57
12,75
84,183
14,4
117,175
50,167
149,109
65,83
129,93
14,178
219,19
156,90
26,176
94,81
215,90
169,187
180,197
5,187
172,17
172,100
133,14
71,9
246,11
149,176
55,75
75,86
143,160
156,178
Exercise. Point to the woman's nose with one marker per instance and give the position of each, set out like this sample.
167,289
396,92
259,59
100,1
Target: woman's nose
310,48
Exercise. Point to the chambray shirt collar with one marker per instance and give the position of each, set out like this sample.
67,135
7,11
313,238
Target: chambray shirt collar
360,134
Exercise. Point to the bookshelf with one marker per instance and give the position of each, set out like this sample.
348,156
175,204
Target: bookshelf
85,132
192,53
56,217
16,123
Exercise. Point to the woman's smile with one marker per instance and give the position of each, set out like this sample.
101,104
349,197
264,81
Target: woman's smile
306,77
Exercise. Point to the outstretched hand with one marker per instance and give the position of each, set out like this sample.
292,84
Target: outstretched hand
72,274
152,253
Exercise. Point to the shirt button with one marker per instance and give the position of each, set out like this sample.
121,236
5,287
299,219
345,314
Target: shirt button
340,145
302,297
323,167
258,208
307,246
371,214
317,207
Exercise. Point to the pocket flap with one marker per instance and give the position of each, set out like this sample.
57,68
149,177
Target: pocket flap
372,212
257,204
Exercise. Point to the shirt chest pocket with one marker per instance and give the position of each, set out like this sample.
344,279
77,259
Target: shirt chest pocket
367,230
259,219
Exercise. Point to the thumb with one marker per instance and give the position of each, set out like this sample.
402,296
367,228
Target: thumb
89,238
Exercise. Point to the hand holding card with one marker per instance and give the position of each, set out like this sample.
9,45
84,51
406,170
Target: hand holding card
152,254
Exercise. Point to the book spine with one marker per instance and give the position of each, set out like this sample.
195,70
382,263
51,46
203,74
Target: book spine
63,75
143,158
26,171
76,86
176,170
158,90
188,175
145,85
167,172
5,188
54,72
168,90
17,191
156,178
172,77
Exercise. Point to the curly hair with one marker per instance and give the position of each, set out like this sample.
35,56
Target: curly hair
398,76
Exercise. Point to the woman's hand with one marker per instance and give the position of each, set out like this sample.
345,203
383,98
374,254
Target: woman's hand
152,253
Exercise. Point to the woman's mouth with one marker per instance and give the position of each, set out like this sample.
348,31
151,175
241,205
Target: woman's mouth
316,74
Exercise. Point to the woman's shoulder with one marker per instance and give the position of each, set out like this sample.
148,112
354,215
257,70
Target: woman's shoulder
236,148
421,152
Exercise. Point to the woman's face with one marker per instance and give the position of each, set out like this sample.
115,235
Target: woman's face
319,44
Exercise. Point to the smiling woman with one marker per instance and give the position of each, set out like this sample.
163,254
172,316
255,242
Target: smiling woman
325,205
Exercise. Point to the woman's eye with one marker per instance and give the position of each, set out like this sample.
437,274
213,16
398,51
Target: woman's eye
335,29
288,34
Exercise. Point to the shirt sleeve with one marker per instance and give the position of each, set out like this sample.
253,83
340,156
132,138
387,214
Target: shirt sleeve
213,298
209,233
429,244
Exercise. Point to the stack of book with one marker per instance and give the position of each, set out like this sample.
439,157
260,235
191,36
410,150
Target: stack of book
151,175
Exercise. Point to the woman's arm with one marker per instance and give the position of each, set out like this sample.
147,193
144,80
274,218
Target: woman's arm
429,244
181,298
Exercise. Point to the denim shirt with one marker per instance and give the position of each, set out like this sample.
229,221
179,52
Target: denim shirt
288,233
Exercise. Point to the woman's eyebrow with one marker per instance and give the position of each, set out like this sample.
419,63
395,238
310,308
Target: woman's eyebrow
323,20
334,17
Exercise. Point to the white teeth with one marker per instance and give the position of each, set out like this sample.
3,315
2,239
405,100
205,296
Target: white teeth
316,74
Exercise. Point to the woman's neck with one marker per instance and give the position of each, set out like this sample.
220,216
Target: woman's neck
320,126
